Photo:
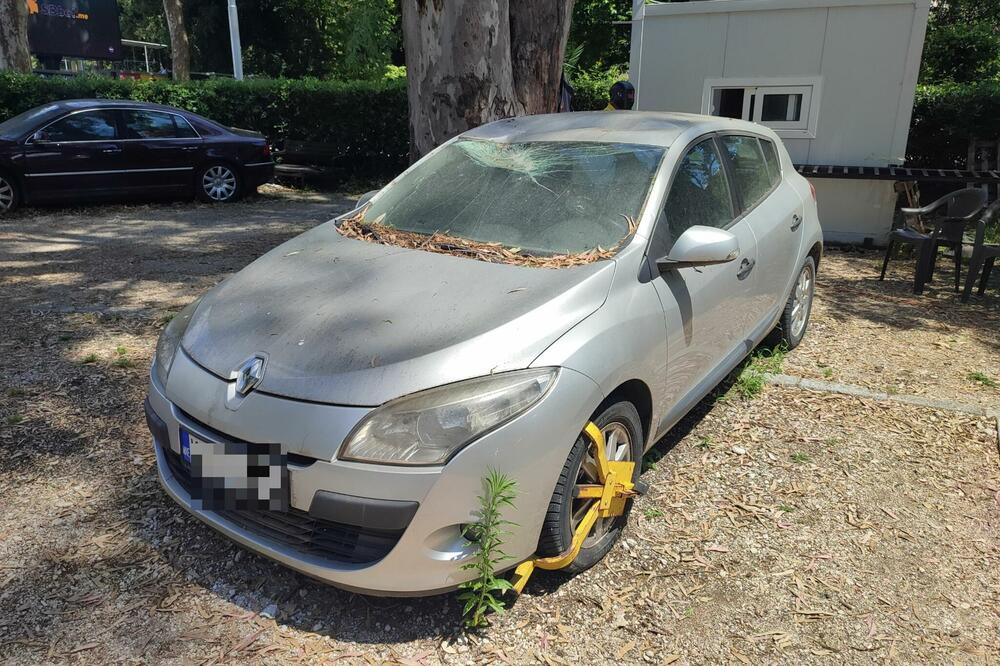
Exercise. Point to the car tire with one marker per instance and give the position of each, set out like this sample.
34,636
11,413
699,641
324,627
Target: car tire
10,194
564,512
795,317
218,182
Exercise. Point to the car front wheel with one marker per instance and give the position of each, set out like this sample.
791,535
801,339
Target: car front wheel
218,183
622,432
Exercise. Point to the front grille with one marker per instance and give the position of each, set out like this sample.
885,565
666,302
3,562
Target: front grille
299,530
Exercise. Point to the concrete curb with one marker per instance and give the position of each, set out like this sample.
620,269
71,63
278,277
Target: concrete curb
862,392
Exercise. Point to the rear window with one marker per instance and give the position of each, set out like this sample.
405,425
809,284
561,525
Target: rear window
156,125
771,157
750,172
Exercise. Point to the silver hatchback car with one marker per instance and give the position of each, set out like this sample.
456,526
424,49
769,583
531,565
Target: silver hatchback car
358,391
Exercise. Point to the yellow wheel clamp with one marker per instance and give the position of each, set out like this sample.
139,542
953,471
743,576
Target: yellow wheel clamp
612,494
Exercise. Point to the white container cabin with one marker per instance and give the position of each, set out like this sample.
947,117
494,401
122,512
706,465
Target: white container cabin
834,78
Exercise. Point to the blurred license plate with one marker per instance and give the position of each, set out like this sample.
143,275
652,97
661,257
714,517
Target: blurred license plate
235,475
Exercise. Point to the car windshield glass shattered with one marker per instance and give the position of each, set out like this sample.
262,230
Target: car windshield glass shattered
530,199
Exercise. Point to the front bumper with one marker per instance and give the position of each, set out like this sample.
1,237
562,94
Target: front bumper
423,555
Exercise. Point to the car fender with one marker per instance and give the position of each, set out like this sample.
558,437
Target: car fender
624,340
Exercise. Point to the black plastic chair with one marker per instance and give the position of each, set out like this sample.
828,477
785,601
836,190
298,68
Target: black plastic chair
951,213
983,254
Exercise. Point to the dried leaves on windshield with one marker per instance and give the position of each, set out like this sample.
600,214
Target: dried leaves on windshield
376,231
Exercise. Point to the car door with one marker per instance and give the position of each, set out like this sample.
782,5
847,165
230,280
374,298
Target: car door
774,212
706,308
162,149
79,154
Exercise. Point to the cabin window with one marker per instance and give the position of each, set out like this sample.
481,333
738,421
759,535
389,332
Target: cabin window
787,109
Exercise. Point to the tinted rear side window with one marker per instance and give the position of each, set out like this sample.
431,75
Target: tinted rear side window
771,157
700,193
85,126
750,172
156,125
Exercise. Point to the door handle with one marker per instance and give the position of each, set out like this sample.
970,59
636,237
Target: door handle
796,222
190,148
114,149
745,267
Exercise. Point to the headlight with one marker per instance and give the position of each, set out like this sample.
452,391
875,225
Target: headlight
170,340
429,427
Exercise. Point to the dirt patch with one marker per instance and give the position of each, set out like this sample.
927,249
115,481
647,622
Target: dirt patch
878,334
797,527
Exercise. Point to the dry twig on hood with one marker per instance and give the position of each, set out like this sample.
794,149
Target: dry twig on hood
377,231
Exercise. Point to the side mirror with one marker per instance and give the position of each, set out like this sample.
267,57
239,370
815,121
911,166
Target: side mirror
700,246
366,197
41,136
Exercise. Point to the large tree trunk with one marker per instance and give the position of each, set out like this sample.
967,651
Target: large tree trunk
14,36
469,62
538,33
180,50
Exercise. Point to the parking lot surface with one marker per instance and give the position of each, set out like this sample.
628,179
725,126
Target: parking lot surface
797,526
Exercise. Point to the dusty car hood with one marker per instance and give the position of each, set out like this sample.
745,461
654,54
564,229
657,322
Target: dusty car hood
348,322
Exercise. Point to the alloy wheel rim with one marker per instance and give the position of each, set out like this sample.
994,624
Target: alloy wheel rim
801,301
617,446
219,183
6,195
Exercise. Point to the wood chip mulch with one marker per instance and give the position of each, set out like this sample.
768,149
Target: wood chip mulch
796,527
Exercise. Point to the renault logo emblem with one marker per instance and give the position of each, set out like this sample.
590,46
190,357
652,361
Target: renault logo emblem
249,375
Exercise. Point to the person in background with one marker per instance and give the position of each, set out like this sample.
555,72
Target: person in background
622,97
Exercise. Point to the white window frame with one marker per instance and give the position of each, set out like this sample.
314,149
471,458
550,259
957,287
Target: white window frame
809,87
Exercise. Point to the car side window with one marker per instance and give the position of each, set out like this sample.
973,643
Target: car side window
771,157
156,125
98,125
699,194
750,173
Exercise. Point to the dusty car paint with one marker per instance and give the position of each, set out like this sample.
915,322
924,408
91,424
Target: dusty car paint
347,325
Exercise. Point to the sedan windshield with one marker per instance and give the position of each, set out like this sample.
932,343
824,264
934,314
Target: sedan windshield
539,197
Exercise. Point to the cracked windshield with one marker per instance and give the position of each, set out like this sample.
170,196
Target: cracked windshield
537,197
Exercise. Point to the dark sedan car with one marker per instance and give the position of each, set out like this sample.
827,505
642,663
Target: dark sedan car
90,148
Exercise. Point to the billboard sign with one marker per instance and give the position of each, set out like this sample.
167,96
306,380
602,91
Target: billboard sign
75,28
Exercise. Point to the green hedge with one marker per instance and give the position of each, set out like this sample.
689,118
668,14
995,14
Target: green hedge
946,116
368,120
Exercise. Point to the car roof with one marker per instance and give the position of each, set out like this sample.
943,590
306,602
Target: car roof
77,104
637,127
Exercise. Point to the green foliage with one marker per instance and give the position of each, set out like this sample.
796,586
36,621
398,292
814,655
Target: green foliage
325,38
946,116
367,120
481,593
750,381
592,89
963,42
961,54
983,379
597,32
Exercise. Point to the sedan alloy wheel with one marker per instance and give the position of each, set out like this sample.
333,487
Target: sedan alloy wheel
219,183
8,195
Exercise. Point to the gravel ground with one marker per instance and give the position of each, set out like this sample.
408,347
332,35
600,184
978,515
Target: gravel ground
795,527
880,335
